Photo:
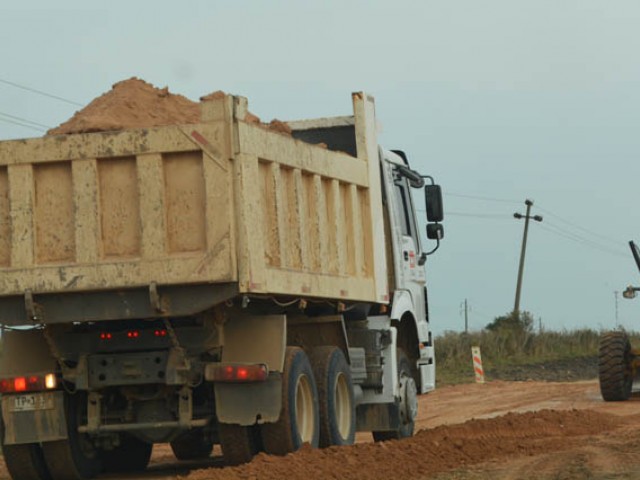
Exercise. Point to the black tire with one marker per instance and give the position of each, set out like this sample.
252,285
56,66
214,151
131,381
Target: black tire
193,445
614,365
25,462
74,458
407,426
299,417
238,443
132,455
335,396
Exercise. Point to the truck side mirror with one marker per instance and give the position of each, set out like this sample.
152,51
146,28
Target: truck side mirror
433,199
630,292
435,231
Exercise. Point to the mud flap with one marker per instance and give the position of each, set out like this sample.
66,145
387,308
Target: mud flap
259,339
377,416
23,425
248,403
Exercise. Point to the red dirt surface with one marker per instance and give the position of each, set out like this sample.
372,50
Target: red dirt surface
134,103
430,451
495,431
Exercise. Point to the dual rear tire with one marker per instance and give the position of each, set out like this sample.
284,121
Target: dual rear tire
74,458
318,409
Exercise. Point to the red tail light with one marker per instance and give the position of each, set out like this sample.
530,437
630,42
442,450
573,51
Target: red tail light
20,384
133,334
106,336
160,333
220,372
32,383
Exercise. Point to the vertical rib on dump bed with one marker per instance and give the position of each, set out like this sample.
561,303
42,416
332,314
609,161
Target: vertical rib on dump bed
223,201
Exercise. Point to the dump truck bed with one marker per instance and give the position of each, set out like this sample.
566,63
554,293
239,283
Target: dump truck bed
220,202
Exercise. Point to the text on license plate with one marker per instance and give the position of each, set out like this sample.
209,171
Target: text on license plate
33,401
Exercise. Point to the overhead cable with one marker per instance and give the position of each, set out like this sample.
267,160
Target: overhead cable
14,122
486,199
40,92
24,120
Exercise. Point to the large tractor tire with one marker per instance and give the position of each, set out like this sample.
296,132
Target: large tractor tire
299,417
239,444
25,462
335,396
75,458
408,402
132,455
615,368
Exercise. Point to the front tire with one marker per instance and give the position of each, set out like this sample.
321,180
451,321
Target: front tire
615,369
335,396
408,403
299,417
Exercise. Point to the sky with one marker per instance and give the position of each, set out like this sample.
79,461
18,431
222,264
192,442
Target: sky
499,100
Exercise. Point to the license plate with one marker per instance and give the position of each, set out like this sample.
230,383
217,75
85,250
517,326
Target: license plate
34,401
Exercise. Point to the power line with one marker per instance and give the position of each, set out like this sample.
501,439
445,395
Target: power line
569,236
477,197
470,214
13,117
40,92
599,244
544,210
575,225
6,120
479,215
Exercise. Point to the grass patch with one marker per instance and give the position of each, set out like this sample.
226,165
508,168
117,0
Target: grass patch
503,349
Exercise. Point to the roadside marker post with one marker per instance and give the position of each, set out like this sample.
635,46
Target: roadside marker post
477,364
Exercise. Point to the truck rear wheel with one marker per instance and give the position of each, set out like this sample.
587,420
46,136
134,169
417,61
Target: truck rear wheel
335,396
193,445
132,455
25,462
615,369
408,408
239,444
299,416
75,458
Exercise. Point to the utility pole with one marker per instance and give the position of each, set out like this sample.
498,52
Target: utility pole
466,316
527,216
465,306
615,293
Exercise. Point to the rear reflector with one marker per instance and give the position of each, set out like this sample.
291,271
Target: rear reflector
227,372
32,383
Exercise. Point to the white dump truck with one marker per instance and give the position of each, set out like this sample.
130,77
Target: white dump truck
210,283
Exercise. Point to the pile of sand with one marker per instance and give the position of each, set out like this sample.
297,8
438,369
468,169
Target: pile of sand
134,103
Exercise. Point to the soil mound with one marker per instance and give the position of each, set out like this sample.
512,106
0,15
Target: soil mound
132,103
430,451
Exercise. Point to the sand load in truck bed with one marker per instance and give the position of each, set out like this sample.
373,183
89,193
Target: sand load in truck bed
213,198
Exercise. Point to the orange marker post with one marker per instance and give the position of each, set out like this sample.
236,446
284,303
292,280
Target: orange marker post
477,364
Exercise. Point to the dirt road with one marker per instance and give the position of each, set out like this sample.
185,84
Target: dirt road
497,431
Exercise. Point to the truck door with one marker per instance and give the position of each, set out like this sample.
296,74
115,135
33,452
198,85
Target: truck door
410,277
